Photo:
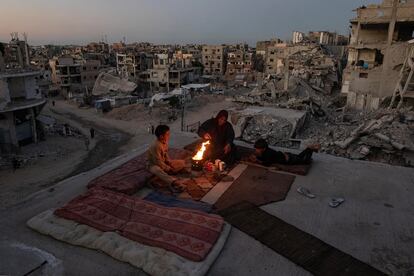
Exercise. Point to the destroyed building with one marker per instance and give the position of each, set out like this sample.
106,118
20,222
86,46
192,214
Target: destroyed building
306,61
239,65
261,46
168,73
97,47
377,51
74,77
275,55
213,57
20,101
16,52
297,37
126,65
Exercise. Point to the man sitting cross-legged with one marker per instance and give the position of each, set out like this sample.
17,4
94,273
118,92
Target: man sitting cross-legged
160,164
267,156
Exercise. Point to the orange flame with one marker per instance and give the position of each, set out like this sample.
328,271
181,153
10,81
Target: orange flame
199,155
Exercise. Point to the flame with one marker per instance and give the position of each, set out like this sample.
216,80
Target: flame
199,155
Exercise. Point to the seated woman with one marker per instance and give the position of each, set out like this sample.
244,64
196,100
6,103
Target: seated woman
267,156
221,135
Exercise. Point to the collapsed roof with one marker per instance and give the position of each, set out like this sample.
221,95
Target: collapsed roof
106,83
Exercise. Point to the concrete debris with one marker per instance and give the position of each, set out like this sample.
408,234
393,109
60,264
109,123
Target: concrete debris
275,129
107,83
384,135
304,82
277,125
313,65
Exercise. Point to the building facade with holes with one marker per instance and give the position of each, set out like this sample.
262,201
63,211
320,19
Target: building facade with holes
378,49
20,103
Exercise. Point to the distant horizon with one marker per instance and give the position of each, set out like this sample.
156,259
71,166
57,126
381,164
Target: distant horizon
174,22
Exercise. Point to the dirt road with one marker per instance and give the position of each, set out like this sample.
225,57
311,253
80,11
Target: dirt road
113,137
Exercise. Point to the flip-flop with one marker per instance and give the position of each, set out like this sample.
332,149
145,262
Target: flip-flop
305,192
336,201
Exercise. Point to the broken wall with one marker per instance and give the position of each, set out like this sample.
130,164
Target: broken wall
366,88
369,34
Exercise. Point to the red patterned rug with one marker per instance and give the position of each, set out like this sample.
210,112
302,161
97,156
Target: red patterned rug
132,175
188,233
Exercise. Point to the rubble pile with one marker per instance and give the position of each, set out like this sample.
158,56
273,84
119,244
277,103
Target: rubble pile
107,83
312,79
276,125
276,129
384,135
128,112
313,65
44,150
63,130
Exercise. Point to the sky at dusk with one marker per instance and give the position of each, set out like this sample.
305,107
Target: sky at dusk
171,21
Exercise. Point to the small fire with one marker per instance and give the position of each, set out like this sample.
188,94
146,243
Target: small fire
200,152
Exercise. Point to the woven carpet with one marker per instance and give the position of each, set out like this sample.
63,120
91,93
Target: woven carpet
188,233
257,186
132,175
303,249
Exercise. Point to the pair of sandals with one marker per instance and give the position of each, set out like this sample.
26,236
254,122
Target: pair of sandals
334,201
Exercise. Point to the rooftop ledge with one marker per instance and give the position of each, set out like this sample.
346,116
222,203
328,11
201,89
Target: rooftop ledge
22,104
13,73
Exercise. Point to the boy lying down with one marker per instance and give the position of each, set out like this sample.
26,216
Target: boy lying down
267,156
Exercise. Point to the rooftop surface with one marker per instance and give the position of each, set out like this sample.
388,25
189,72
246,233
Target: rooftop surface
375,224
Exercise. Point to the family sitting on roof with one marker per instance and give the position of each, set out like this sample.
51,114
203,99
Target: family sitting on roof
220,133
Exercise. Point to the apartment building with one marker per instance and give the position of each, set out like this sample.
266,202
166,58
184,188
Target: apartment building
377,50
213,59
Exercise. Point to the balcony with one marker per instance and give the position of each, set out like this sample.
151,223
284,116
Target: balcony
19,104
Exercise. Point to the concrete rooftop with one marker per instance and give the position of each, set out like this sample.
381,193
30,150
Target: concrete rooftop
375,224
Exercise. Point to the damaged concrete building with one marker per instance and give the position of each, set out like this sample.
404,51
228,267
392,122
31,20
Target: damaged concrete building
168,72
126,66
239,65
275,56
377,51
213,58
20,103
297,37
261,46
74,76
